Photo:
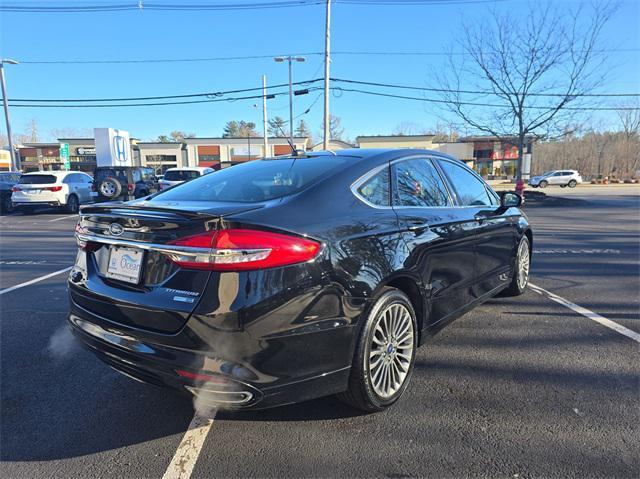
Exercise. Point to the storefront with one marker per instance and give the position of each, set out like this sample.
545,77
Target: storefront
223,152
162,156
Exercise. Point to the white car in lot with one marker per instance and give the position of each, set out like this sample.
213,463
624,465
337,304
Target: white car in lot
562,178
63,189
175,176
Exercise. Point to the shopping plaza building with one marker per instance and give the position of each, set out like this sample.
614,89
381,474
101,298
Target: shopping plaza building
489,156
212,152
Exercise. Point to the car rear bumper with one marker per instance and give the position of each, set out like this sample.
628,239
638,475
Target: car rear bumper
35,204
238,377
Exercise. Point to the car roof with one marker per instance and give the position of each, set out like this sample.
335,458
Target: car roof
189,168
53,173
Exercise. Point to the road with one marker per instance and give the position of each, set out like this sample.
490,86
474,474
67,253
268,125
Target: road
519,387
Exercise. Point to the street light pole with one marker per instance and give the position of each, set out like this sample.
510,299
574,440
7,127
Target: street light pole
327,63
290,59
5,101
264,117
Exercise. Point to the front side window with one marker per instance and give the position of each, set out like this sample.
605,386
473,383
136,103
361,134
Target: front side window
419,184
470,190
376,189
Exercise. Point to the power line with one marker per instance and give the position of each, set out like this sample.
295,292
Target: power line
164,97
261,57
490,105
142,5
217,6
478,92
340,89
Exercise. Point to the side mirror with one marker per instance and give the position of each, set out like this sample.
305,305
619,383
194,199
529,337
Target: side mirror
509,199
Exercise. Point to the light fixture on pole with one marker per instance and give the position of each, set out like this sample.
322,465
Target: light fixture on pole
14,165
290,59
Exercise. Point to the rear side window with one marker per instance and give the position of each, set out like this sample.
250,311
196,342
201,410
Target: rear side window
181,175
469,189
419,184
254,181
37,179
376,189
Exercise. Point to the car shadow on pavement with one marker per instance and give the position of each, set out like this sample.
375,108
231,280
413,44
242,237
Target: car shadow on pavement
326,408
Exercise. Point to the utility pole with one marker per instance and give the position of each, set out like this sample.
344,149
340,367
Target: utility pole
264,116
5,101
290,59
327,63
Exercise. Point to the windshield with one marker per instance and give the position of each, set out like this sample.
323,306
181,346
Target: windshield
181,175
37,179
254,181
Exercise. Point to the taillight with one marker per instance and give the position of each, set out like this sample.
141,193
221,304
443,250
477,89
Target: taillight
52,188
131,187
15,188
242,250
88,246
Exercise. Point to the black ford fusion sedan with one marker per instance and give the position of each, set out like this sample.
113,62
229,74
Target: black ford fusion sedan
290,278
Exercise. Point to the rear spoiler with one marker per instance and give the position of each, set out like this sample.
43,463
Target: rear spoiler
137,210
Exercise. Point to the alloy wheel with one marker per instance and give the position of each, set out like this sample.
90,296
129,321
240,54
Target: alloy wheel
523,264
391,350
108,189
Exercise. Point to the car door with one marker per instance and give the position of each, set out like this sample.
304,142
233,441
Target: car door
84,186
495,230
439,235
557,178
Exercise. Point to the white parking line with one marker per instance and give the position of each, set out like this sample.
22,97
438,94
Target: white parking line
63,218
36,280
186,455
588,314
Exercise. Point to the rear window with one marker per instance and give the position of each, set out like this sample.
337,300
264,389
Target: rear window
181,175
254,181
105,173
37,179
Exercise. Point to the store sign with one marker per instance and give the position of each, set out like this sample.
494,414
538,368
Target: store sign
64,156
82,151
113,147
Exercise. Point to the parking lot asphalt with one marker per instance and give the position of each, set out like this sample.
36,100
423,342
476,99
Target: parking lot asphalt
519,387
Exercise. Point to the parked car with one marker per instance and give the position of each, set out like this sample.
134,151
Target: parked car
7,180
285,279
562,178
175,176
113,183
62,189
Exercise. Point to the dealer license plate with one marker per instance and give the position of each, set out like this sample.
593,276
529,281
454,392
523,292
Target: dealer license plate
125,264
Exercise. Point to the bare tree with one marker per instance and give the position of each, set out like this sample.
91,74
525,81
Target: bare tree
336,131
629,116
519,76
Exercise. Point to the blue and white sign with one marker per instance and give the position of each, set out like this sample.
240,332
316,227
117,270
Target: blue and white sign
113,147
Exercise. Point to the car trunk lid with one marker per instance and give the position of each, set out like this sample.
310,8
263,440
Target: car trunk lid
128,276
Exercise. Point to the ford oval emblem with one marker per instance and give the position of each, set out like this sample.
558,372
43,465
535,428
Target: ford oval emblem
116,229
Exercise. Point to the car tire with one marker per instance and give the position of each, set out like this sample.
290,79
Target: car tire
563,186
110,188
520,276
73,205
383,359
572,184
544,184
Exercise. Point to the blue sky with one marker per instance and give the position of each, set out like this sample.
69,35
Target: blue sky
177,34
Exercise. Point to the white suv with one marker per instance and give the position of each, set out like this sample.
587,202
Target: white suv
65,189
563,178
175,176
